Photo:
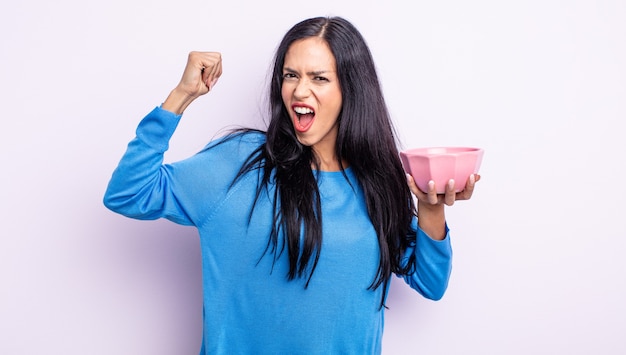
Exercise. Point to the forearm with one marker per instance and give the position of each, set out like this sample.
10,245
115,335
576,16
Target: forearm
177,101
432,220
433,264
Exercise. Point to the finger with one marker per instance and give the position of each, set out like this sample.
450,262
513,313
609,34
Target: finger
196,62
216,75
207,73
208,63
432,193
206,77
450,195
214,69
466,194
218,68
193,76
412,185
421,195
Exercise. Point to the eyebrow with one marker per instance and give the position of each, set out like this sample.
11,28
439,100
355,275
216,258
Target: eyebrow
313,73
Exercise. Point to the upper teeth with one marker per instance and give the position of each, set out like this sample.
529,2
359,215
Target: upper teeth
302,110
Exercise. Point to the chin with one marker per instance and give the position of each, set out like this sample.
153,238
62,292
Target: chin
304,141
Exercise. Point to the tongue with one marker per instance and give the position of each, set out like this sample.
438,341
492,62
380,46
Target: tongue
306,119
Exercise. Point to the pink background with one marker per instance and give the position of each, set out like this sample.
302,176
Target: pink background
540,85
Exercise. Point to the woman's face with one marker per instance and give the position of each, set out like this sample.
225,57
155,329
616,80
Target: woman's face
312,94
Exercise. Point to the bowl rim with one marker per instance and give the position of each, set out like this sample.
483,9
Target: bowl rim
437,150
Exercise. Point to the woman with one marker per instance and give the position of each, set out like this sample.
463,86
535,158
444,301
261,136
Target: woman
301,226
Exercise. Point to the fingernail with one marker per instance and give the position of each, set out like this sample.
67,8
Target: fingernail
472,179
431,184
451,183
213,82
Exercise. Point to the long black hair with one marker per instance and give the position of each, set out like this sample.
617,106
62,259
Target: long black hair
366,140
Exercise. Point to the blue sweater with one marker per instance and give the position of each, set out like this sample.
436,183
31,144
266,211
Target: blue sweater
249,305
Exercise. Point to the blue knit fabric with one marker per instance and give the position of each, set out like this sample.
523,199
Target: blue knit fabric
249,305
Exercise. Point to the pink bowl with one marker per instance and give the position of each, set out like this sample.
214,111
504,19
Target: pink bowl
441,164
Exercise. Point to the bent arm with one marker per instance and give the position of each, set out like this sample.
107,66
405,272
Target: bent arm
141,186
433,264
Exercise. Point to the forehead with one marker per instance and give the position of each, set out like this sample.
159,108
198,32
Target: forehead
312,53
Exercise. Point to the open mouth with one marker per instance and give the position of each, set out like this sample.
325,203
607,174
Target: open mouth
304,118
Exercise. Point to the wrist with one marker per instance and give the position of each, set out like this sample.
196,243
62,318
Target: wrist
432,219
177,101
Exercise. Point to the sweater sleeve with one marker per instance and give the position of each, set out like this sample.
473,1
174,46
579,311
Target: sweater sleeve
433,264
141,186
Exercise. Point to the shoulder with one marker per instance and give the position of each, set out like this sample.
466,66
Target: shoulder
233,148
247,140
222,159
245,137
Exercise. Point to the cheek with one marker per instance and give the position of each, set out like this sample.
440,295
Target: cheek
337,103
283,95
335,95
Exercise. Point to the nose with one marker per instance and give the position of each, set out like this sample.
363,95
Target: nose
302,89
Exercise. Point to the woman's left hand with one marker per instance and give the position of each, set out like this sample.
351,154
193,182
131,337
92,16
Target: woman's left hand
431,197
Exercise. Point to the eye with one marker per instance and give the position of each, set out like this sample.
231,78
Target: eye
289,76
320,78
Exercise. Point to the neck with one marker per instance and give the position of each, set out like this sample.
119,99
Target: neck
325,155
330,163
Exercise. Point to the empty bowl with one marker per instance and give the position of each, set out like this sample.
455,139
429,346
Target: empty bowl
441,164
